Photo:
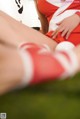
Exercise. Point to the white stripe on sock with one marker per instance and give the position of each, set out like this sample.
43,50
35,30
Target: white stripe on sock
28,67
70,68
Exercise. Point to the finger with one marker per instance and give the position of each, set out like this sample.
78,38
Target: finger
60,29
64,32
55,34
68,34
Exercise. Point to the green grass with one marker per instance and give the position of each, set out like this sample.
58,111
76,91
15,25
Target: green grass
55,100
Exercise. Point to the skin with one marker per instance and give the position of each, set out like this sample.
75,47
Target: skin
17,33
11,68
43,20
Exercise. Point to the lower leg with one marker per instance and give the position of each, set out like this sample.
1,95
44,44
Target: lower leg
44,66
47,66
11,69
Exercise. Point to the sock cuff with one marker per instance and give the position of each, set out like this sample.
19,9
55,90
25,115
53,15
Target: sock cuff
28,68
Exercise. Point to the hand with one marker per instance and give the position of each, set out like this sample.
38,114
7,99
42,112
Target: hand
67,26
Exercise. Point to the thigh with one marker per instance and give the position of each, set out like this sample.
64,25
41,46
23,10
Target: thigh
28,34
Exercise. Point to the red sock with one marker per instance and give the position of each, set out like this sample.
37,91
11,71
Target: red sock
43,66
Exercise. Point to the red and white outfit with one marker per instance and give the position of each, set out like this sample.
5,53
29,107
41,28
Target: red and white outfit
56,11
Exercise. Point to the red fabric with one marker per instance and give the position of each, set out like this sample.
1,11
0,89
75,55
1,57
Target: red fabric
46,8
46,66
78,13
74,5
75,36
